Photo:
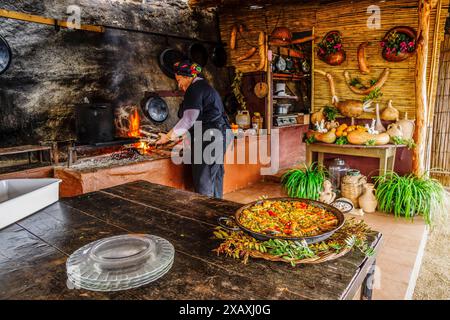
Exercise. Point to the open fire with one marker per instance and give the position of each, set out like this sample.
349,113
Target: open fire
134,131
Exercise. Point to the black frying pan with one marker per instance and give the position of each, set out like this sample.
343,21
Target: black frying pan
166,60
5,55
219,56
263,237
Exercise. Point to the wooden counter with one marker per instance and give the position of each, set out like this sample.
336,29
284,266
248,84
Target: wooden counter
33,252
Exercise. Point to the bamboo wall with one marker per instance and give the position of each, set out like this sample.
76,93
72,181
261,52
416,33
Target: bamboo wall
350,18
440,151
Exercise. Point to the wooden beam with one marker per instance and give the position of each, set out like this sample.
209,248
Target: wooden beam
420,133
47,21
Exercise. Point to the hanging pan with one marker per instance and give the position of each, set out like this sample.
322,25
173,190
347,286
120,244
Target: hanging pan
167,59
197,53
155,108
5,55
219,56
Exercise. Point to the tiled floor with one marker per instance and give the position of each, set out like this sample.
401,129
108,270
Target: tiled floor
399,259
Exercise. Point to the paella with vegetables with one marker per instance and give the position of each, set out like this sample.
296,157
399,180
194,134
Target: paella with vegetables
288,218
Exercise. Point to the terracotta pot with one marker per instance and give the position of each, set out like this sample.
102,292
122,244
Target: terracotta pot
367,201
394,57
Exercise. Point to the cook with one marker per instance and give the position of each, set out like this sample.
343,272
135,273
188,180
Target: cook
201,103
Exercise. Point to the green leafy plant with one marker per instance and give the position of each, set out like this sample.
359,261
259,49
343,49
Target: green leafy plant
370,142
356,82
330,113
409,195
304,183
410,144
341,141
373,95
309,140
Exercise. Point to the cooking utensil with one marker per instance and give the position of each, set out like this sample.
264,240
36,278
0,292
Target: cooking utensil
197,53
261,89
155,108
219,56
167,59
282,108
263,237
5,55
94,123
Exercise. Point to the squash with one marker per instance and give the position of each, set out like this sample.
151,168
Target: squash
318,116
327,137
357,137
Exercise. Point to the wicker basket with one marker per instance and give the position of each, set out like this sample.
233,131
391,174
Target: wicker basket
352,187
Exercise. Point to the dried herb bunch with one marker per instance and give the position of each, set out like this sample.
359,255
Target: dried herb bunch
239,245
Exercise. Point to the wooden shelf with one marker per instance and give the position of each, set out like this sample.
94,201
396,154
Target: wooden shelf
286,97
287,76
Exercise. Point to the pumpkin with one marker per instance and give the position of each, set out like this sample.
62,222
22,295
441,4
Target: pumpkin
327,137
357,137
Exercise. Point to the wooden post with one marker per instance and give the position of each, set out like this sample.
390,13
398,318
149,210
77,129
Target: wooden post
420,133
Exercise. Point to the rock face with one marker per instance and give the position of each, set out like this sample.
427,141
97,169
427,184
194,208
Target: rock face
52,71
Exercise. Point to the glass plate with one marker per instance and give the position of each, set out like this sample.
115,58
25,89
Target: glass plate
117,287
120,259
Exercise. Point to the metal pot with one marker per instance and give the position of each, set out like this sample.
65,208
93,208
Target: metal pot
263,236
94,123
282,108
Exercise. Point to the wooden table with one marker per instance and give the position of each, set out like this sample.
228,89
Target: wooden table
386,153
33,251
27,149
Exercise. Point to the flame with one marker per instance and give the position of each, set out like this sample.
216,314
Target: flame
134,132
135,123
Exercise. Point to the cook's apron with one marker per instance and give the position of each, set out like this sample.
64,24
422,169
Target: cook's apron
208,175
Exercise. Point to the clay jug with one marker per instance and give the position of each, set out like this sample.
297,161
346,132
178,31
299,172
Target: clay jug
243,119
394,130
390,113
407,127
367,201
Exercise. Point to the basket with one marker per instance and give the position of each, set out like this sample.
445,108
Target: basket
352,187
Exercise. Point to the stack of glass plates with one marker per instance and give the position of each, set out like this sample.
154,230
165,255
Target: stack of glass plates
120,262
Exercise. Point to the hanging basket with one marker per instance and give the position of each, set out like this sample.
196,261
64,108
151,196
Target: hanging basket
332,58
399,56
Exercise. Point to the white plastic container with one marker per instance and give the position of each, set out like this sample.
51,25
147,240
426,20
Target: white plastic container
20,198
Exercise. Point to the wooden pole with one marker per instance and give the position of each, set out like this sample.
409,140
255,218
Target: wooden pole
420,133
47,21
432,84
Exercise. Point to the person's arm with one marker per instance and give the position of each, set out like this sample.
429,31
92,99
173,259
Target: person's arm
182,126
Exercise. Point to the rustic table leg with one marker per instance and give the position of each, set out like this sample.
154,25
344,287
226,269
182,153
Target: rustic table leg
383,164
367,285
309,156
41,157
320,156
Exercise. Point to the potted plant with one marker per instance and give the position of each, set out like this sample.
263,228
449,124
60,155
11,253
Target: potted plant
304,183
330,49
409,195
398,44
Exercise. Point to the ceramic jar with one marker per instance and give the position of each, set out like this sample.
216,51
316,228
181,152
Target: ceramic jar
367,201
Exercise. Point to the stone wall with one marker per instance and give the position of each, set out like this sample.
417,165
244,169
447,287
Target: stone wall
53,70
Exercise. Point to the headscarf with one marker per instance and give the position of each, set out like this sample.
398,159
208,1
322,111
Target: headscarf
187,69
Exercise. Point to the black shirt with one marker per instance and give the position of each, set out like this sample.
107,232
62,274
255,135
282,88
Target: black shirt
203,97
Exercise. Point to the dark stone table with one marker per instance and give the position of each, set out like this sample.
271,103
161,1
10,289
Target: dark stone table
33,251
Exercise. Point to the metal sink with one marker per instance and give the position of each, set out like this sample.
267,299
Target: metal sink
20,198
